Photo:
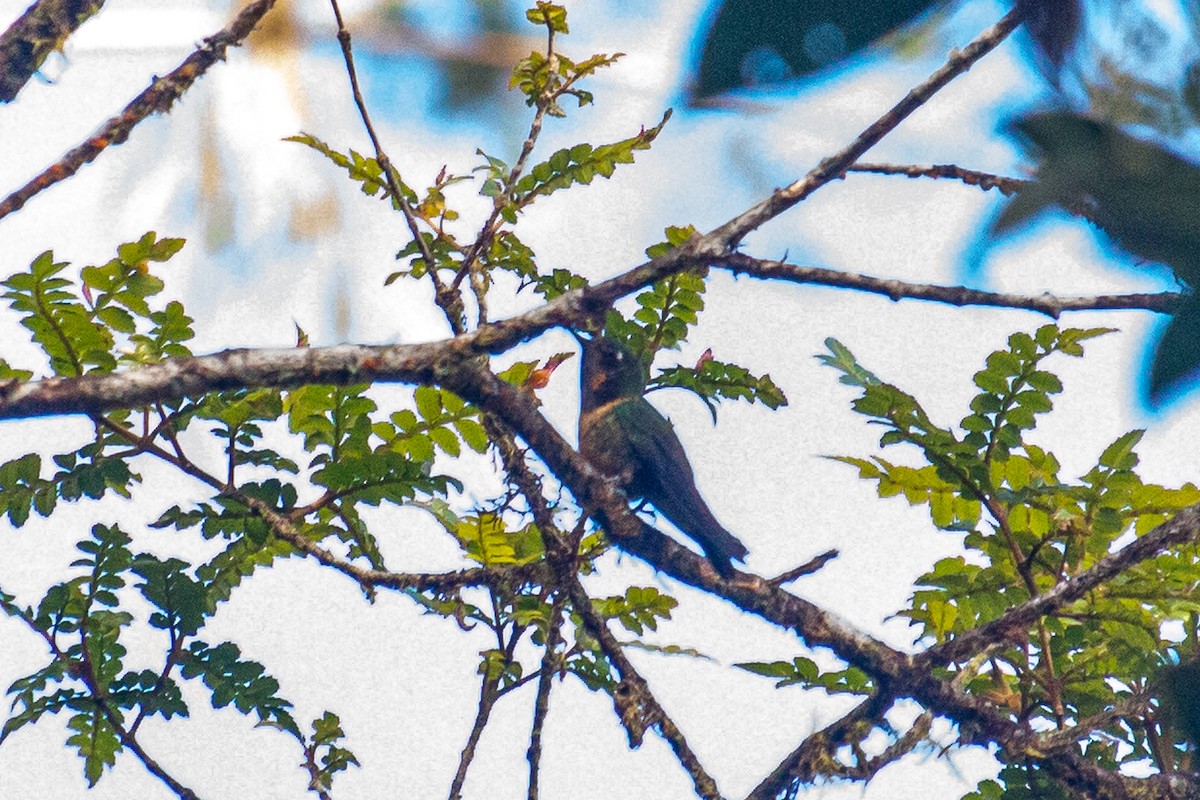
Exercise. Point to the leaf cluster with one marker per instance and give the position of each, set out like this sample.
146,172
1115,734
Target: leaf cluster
1027,530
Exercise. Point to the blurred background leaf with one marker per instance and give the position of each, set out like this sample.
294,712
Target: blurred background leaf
764,42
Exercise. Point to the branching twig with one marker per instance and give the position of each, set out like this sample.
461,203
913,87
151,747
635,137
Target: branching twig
732,232
640,704
284,527
815,755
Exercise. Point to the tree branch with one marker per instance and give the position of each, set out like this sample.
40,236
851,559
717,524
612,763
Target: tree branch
42,29
176,378
551,660
159,96
487,699
634,703
971,177
813,757
732,232
450,301
1048,304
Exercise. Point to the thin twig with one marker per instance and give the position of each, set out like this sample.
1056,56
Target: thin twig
489,693
807,568
88,675
284,527
487,699
447,298
642,702
971,177
541,703
1053,306
152,766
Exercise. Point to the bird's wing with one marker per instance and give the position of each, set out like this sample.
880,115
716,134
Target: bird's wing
654,444
664,476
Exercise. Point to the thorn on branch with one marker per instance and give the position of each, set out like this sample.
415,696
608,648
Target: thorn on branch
807,568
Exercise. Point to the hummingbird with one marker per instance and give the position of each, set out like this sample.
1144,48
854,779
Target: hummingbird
625,437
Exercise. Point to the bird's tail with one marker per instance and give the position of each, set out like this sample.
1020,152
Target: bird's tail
722,548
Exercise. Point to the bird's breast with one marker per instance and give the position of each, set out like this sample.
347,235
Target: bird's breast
602,440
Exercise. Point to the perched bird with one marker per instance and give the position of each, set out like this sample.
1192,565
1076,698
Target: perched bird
625,437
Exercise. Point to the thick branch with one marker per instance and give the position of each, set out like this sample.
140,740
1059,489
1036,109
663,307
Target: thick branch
592,490
176,378
158,97
561,550
979,721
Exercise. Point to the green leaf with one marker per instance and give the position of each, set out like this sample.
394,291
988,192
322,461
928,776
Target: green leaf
243,684
327,733
487,539
1120,454
715,380
581,163
558,283
363,170
805,672
841,359
58,321
96,742
180,599
551,15
473,434
638,610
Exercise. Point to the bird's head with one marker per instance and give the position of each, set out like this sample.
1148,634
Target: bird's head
610,371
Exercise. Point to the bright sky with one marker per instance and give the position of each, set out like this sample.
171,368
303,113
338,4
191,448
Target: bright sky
403,683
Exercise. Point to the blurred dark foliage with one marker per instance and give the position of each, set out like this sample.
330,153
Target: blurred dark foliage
1180,697
1142,196
1053,25
763,42
471,68
1126,90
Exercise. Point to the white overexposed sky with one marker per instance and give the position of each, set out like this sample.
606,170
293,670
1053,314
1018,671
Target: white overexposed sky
403,683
